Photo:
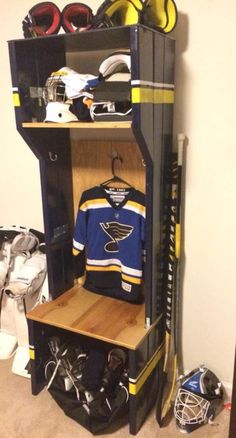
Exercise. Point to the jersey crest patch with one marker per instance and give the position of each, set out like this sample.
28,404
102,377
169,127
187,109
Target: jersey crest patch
116,232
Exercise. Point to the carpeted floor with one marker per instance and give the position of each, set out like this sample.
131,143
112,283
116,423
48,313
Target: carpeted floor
26,416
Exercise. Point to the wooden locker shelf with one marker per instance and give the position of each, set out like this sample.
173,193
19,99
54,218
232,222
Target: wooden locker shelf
80,125
93,315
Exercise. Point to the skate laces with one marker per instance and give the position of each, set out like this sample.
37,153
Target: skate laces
99,380
69,362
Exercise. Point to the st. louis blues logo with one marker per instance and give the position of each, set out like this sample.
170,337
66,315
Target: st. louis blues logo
116,232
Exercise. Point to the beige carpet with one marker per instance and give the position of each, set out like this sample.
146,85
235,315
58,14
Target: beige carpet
25,416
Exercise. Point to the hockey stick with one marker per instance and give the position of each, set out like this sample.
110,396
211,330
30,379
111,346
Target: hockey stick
175,298
165,395
168,291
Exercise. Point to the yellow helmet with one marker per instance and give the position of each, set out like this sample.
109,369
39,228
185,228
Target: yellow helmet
159,14
118,13
162,13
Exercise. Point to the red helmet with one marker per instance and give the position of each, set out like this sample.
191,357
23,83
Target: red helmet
42,19
76,17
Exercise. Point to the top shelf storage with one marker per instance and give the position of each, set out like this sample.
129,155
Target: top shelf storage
97,39
36,58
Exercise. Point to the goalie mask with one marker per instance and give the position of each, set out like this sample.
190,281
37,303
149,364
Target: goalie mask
67,95
56,101
42,19
199,399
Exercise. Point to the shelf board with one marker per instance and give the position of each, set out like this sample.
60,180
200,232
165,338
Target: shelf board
96,316
80,125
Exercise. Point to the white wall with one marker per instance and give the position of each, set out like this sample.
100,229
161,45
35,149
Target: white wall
205,111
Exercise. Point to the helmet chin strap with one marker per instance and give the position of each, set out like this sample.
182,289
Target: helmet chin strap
212,422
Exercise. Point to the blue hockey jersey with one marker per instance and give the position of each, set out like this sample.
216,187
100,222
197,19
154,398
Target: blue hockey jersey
110,227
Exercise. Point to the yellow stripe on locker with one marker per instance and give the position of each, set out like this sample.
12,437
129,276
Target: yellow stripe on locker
151,95
32,353
134,387
16,99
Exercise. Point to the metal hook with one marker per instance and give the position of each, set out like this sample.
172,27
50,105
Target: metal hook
53,156
113,163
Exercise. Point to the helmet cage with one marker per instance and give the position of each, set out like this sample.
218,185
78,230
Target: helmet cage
190,408
55,89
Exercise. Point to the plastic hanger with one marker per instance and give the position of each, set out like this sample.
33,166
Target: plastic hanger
115,178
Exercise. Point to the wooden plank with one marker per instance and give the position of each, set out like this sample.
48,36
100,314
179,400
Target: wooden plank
96,316
79,125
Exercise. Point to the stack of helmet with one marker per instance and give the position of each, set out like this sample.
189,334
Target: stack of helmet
199,399
112,97
45,18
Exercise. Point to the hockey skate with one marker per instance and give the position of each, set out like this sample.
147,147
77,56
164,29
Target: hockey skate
67,363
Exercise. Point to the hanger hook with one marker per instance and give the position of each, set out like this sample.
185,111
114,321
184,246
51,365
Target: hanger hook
53,156
113,163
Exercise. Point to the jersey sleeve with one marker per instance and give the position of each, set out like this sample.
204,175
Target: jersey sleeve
80,239
80,230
